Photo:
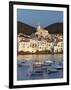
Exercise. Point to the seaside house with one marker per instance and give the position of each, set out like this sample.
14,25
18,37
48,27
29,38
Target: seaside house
58,47
41,33
42,45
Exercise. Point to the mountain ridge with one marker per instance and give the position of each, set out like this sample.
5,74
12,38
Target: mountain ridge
55,28
27,29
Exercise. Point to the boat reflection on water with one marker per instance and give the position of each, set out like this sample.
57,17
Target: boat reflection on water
47,68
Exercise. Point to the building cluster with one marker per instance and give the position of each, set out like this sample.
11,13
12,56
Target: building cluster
39,42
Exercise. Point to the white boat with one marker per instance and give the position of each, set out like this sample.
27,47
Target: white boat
47,63
59,67
52,70
37,64
23,63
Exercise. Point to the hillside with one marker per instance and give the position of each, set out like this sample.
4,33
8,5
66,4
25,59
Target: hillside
28,30
55,28
25,28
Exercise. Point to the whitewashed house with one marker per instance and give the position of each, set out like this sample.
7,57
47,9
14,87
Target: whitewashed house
27,46
59,47
41,32
23,46
42,45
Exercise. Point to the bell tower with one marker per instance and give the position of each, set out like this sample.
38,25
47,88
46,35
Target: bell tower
38,27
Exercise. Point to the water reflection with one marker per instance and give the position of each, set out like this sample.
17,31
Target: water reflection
30,67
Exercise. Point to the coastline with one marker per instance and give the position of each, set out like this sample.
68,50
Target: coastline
37,53
35,56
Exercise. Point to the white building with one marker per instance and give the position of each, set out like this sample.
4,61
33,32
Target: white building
58,47
27,46
41,32
42,45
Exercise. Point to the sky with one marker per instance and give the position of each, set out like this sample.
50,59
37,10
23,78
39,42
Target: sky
39,17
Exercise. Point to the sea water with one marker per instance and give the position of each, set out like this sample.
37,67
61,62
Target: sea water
32,67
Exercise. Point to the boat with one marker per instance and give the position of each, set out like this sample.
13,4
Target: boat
44,68
59,67
47,63
39,71
36,74
23,63
37,64
19,65
53,70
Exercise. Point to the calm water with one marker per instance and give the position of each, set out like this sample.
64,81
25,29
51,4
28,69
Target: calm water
30,67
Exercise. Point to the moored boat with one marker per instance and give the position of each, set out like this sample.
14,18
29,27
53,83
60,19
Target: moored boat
50,71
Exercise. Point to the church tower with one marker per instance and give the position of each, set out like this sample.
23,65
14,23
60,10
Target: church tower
38,27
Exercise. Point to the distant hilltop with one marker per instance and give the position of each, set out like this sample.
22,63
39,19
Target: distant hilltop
55,28
25,28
